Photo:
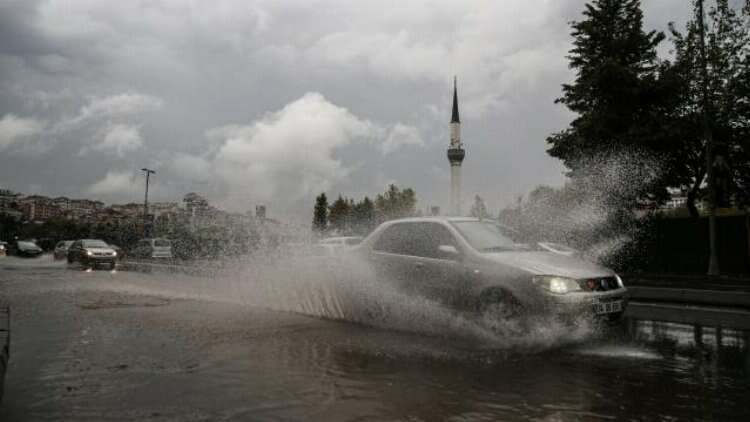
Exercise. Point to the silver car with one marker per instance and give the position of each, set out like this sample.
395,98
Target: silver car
470,263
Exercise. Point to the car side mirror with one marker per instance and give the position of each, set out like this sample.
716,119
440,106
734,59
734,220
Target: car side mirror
448,251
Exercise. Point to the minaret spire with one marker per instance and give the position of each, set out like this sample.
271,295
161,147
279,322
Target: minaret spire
454,117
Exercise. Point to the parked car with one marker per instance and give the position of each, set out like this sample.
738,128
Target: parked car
61,249
25,248
153,248
470,264
3,248
92,252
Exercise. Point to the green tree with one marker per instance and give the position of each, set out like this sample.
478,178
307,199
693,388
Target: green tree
340,215
395,203
363,216
616,95
727,83
320,213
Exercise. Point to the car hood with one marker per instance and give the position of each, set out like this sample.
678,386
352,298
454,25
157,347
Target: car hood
549,263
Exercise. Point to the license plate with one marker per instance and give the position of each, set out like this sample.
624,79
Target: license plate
608,307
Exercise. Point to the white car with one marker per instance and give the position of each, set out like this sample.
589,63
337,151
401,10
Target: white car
469,263
153,248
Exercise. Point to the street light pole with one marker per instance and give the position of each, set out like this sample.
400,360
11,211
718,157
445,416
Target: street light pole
149,172
713,259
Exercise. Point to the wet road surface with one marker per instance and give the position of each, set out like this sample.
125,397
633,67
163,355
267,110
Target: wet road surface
101,345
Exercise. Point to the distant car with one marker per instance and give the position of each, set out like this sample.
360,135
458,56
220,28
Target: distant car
468,263
25,248
61,249
153,248
92,252
3,248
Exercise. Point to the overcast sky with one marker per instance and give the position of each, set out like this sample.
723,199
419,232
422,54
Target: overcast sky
271,102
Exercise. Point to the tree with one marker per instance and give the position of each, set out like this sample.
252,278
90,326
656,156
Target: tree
478,209
616,94
339,215
363,216
395,203
726,80
320,213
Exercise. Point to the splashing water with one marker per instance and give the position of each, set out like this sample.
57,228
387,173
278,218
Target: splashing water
344,288
592,212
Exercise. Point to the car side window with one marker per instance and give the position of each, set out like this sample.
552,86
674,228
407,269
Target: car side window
436,235
401,239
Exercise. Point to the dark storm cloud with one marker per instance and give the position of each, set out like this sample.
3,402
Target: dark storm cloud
218,96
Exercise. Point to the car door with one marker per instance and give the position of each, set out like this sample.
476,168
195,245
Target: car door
394,256
440,272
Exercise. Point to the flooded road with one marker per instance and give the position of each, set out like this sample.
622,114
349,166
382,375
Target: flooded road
121,345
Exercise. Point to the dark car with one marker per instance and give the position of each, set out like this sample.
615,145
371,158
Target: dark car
471,263
25,248
92,252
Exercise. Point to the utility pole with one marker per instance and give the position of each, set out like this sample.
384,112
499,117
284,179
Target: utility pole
145,201
713,259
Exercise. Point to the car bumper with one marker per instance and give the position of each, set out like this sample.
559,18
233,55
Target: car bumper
95,260
611,304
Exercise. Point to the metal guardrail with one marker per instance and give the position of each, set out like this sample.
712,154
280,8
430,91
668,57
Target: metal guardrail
691,296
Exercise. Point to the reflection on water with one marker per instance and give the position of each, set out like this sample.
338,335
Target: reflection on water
689,336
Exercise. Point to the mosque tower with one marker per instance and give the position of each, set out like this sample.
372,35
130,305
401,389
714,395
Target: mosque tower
456,155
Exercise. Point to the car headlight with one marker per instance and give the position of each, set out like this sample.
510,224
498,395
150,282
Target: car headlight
619,281
114,253
557,285
89,253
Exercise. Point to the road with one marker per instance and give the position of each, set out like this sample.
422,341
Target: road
296,344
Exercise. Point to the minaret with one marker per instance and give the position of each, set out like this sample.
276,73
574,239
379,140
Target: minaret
456,155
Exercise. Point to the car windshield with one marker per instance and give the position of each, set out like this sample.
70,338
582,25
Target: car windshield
486,236
27,245
94,244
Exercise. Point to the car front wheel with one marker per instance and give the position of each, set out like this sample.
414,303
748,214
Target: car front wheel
499,302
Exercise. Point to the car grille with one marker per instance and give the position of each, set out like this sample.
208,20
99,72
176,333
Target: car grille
103,254
599,284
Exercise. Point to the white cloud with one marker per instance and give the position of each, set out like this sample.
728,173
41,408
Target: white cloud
14,129
114,183
120,139
400,135
289,154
